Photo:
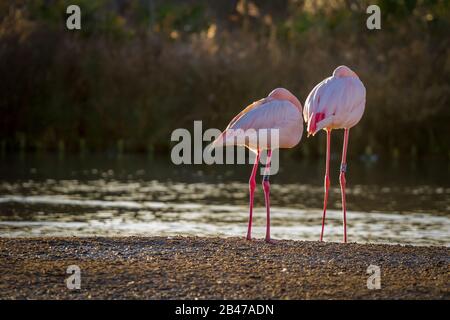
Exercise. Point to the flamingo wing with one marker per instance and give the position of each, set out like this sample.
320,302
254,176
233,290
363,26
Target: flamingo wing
336,102
268,114
271,114
246,110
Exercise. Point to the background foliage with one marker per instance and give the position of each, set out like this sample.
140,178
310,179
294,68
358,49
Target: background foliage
139,69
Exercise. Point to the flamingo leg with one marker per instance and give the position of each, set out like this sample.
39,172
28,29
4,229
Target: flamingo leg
266,188
326,182
252,186
343,182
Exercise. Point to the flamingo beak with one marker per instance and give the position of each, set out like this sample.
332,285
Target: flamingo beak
311,132
312,123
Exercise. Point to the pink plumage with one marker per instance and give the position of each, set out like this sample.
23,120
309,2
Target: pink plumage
335,103
280,110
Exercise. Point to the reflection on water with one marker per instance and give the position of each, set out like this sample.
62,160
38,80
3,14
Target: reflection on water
133,195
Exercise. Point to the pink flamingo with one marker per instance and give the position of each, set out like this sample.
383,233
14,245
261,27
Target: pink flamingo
280,110
337,102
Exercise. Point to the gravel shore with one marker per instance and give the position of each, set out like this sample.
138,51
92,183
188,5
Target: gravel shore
218,268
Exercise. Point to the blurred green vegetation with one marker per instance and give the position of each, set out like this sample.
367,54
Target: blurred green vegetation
139,69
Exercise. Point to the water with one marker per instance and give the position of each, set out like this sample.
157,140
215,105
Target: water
388,202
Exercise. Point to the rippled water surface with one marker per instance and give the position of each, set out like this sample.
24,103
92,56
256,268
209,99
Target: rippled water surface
393,202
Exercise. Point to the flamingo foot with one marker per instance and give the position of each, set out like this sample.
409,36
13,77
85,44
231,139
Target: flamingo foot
271,241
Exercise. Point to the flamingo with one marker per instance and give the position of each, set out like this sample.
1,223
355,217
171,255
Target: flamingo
279,110
337,102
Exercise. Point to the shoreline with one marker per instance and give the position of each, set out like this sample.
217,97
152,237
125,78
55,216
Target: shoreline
218,268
